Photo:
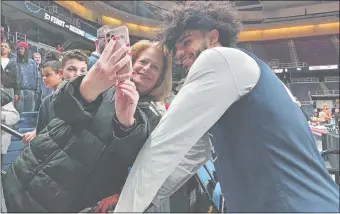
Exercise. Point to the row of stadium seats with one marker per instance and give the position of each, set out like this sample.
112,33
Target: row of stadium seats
332,85
316,50
300,90
26,123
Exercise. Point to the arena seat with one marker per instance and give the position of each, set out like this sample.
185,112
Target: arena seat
27,120
29,114
217,195
300,90
273,49
332,85
204,176
259,51
316,50
24,130
16,145
210,166
26,123
11,156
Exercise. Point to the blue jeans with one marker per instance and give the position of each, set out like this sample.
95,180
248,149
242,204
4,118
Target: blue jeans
26,102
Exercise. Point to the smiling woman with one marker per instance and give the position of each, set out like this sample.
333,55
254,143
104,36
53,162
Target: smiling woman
153,66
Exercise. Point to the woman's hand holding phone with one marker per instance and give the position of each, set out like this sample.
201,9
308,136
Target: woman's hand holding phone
126,101
104,73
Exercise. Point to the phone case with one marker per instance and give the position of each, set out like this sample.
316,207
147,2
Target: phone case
122,35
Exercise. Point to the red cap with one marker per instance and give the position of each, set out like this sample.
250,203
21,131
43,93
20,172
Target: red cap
22,44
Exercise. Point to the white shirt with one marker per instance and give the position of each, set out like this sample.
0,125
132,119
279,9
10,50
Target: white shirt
9,116
179,145
4,62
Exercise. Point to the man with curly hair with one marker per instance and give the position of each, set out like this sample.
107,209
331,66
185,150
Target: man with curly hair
267,159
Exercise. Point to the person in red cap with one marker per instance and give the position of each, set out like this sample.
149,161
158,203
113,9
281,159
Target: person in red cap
27,70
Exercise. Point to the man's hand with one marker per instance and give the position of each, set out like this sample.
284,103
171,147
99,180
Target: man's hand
126,102
28,136
16,98
103,74
107,204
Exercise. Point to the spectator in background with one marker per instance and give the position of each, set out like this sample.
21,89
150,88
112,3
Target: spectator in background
41,89
9,117
100,44
337,117
324,114
60,49
37,58
73,64
3,36
52,55
9,73
29,80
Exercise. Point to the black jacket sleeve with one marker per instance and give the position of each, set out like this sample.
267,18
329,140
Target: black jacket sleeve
40,121
128,142
69,105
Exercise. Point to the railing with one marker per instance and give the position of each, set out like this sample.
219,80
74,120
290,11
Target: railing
10,37
306,103
300,17
324,93
273,63
305,80
292,65
332,79
277,64
20,37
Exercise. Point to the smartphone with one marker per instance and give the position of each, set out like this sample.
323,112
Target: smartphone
122,35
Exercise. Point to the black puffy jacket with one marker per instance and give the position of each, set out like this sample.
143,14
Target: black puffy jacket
79,159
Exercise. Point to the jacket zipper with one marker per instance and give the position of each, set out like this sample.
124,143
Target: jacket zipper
38,168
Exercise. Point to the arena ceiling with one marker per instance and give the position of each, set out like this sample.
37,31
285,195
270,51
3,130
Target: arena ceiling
151,9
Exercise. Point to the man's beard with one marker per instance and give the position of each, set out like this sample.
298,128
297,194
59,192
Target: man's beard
202,48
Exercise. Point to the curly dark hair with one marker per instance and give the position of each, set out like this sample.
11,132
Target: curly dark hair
52,55
201,15
74,54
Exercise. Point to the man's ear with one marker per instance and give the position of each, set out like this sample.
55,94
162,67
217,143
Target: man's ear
96,42
60,72
214,36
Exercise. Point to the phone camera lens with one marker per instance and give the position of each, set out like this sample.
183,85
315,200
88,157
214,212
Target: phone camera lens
112,36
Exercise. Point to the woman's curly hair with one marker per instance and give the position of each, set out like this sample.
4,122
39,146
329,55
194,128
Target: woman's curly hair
201,15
